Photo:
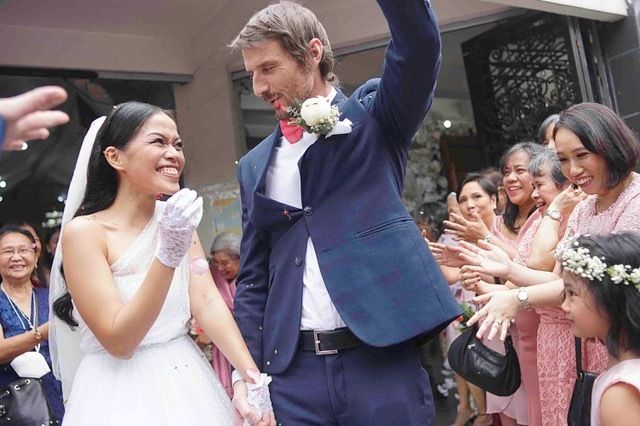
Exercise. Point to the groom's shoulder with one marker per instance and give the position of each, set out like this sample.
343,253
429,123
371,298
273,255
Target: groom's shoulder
256,156
365,94
259,151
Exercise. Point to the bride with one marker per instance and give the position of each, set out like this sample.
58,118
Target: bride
132,268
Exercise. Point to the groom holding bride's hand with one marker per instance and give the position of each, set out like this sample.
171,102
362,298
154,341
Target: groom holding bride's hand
336,284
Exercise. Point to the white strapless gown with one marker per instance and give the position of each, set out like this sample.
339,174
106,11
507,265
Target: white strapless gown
168,381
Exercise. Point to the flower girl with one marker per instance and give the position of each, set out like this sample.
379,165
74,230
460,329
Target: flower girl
602,299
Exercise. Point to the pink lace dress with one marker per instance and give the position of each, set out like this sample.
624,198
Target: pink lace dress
556,353
527,325
623,372
514,406
556,365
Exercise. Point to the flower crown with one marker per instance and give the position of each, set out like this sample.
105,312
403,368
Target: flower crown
577,260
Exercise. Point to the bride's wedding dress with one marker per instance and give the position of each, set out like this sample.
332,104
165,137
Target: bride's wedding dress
167,381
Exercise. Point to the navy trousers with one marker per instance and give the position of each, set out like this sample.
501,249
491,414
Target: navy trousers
362,386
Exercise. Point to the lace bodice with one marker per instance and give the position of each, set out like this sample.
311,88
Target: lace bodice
128,273
621,216
525,237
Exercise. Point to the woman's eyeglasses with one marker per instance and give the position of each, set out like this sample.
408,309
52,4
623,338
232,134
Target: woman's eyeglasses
24,251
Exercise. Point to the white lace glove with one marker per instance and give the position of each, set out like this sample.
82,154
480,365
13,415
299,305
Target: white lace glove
180,217
258,396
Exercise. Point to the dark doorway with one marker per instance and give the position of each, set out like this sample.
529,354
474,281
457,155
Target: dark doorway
520,72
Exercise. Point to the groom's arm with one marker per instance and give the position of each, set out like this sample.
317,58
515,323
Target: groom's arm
252,282
410,69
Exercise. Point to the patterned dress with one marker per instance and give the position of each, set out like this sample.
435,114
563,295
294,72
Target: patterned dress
527,323
514,406
12,326
556,351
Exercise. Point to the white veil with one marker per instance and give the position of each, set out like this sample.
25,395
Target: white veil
64,343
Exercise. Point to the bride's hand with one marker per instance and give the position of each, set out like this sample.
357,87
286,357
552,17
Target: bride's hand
245,413
242,411
180,217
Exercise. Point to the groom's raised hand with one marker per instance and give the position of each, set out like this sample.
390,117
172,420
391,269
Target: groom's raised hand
28,117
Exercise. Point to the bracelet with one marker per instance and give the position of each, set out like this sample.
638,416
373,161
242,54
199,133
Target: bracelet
235,377
37,334
488,238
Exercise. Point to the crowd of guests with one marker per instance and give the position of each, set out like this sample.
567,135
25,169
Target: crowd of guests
577,180
518,243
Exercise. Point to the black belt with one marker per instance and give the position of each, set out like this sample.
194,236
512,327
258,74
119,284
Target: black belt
328,342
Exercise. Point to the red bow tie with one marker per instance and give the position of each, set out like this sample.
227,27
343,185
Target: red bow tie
291,132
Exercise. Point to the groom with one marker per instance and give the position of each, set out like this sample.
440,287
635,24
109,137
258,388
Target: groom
335,282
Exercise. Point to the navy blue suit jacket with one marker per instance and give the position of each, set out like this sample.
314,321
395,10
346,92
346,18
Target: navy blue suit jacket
378,271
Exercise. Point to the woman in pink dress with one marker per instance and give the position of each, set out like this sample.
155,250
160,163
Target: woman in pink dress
544,348
477,198
598,153
476,201
504,232
518,183
224,265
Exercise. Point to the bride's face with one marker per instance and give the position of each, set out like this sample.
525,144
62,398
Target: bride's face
153,160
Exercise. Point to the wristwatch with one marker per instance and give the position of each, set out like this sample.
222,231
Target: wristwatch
523,298
37,334
554,214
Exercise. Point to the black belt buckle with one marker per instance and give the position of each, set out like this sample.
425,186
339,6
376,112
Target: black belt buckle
316,344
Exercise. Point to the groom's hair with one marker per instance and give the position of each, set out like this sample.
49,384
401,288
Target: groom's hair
293,26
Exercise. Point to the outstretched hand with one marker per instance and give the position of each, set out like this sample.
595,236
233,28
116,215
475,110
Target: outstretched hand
446,255
470,229
485,258
498,313
473,281
27,116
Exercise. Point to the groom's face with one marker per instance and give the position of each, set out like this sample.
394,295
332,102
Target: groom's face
276,76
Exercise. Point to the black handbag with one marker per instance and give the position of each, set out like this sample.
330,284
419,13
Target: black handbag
580,406
23,403
492,371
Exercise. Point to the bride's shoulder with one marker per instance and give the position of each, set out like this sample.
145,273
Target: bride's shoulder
86,227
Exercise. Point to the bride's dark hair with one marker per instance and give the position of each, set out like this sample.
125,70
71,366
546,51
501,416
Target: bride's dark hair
120,126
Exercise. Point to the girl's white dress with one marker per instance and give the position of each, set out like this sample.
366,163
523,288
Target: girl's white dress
167,381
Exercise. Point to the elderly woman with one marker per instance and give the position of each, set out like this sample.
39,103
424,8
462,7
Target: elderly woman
224,265
24,311
39,278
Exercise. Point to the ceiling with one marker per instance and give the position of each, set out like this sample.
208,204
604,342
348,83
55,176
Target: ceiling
160,37
153,18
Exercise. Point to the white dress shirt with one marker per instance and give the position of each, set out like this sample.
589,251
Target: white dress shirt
283,185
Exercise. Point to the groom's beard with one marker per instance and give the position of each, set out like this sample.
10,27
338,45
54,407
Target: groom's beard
285,100
281,105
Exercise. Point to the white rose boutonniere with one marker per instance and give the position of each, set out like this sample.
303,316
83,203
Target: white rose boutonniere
317,115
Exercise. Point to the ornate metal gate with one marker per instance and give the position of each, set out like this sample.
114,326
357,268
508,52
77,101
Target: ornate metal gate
520,72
